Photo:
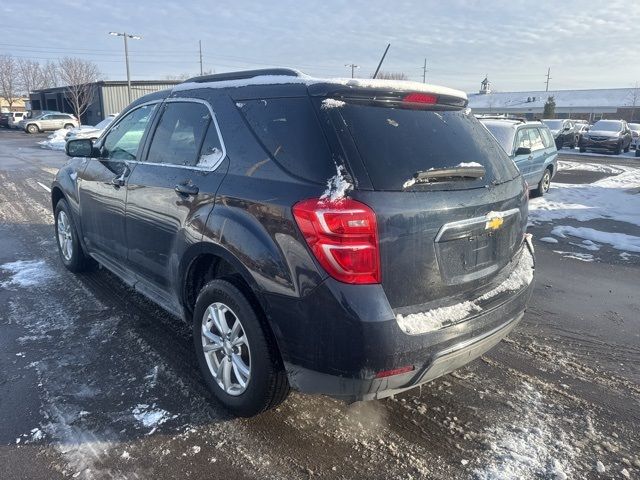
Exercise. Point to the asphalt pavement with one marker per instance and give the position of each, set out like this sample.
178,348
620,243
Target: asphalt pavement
96,382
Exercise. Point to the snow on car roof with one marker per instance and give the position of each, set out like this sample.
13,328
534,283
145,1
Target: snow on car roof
400,85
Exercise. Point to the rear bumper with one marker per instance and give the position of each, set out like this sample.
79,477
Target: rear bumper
347,335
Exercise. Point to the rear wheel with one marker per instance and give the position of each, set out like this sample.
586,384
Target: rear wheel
544,184
69,248
237,356
618,149
32,128
68,126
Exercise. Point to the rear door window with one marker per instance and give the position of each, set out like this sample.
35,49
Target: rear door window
546,137
179,134
396,143
289,130
536,139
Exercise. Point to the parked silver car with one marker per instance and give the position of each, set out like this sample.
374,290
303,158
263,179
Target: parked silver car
49,121
90,131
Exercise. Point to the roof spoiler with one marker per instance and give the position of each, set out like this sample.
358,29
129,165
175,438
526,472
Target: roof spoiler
221,77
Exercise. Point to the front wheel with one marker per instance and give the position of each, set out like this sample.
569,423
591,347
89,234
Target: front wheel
69,248
582,149
236,353
68,126
32,128
618,149
626,150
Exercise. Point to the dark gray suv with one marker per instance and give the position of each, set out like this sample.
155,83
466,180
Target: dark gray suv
354,238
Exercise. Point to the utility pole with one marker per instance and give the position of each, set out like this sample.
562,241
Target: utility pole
200,45
125,35
424,72
353,66
548,78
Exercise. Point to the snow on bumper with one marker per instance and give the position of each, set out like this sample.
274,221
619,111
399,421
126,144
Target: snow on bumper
431,320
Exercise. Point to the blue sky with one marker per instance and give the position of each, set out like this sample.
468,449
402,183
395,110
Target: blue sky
587,44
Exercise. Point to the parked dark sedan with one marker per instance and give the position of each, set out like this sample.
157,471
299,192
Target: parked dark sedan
350,238
607,135
565,132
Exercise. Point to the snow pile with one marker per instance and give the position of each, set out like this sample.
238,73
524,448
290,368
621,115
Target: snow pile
328,103
337,186
589,167
423,322
55,141
528,448
619,241
468,164
27,273
150,416
583,257
613,198
549,240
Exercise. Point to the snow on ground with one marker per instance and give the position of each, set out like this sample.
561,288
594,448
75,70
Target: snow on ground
26,273
583,257
619,241
56,140
614,198
531,447
590,167
151,416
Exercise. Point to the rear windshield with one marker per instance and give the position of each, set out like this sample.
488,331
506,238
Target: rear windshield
395,144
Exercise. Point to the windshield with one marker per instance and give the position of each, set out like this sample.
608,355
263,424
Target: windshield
553,124
503,133
607,126
395,144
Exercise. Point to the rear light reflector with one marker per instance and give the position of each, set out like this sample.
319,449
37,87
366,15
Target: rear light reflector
418,97
343,236
395,371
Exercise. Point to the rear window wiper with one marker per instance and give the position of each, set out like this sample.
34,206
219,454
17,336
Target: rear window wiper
445,175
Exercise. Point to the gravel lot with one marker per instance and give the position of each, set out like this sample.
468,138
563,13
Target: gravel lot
96,382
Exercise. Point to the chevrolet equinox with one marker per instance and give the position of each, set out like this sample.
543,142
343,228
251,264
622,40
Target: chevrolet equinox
354,238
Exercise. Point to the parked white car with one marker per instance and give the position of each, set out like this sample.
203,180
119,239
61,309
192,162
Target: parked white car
90,131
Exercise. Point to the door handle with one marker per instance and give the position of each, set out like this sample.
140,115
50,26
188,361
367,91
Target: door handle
186,189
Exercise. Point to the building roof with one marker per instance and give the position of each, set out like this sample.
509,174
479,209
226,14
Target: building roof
106,83
605,98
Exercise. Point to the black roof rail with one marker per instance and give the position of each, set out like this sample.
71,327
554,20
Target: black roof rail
221,77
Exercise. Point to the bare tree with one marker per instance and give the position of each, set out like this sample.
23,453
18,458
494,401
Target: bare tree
79,77
50,73
8,79
30,76
392,75
634,98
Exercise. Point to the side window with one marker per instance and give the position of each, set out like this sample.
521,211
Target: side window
179,134
211,152
123,140
522,139
536,139
547,138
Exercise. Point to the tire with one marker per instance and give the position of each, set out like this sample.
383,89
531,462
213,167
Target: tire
68,126
618,149
637,152
69,248
33,128
544,184
582,149
222,303
626,150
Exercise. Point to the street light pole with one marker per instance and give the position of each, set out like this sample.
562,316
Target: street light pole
353,66
126,36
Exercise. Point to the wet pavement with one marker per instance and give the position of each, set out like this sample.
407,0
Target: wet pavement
96,382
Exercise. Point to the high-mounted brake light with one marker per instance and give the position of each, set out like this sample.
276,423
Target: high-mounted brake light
417,97
343,236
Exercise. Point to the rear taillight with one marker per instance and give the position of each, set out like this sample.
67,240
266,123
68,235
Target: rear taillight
343,236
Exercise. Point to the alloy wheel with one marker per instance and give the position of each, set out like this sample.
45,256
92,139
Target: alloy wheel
546,181
226,348
65,239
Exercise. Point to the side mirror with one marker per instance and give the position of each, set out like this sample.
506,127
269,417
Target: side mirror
80,147
523,151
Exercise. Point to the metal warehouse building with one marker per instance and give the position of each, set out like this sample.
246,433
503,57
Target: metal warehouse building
109,97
